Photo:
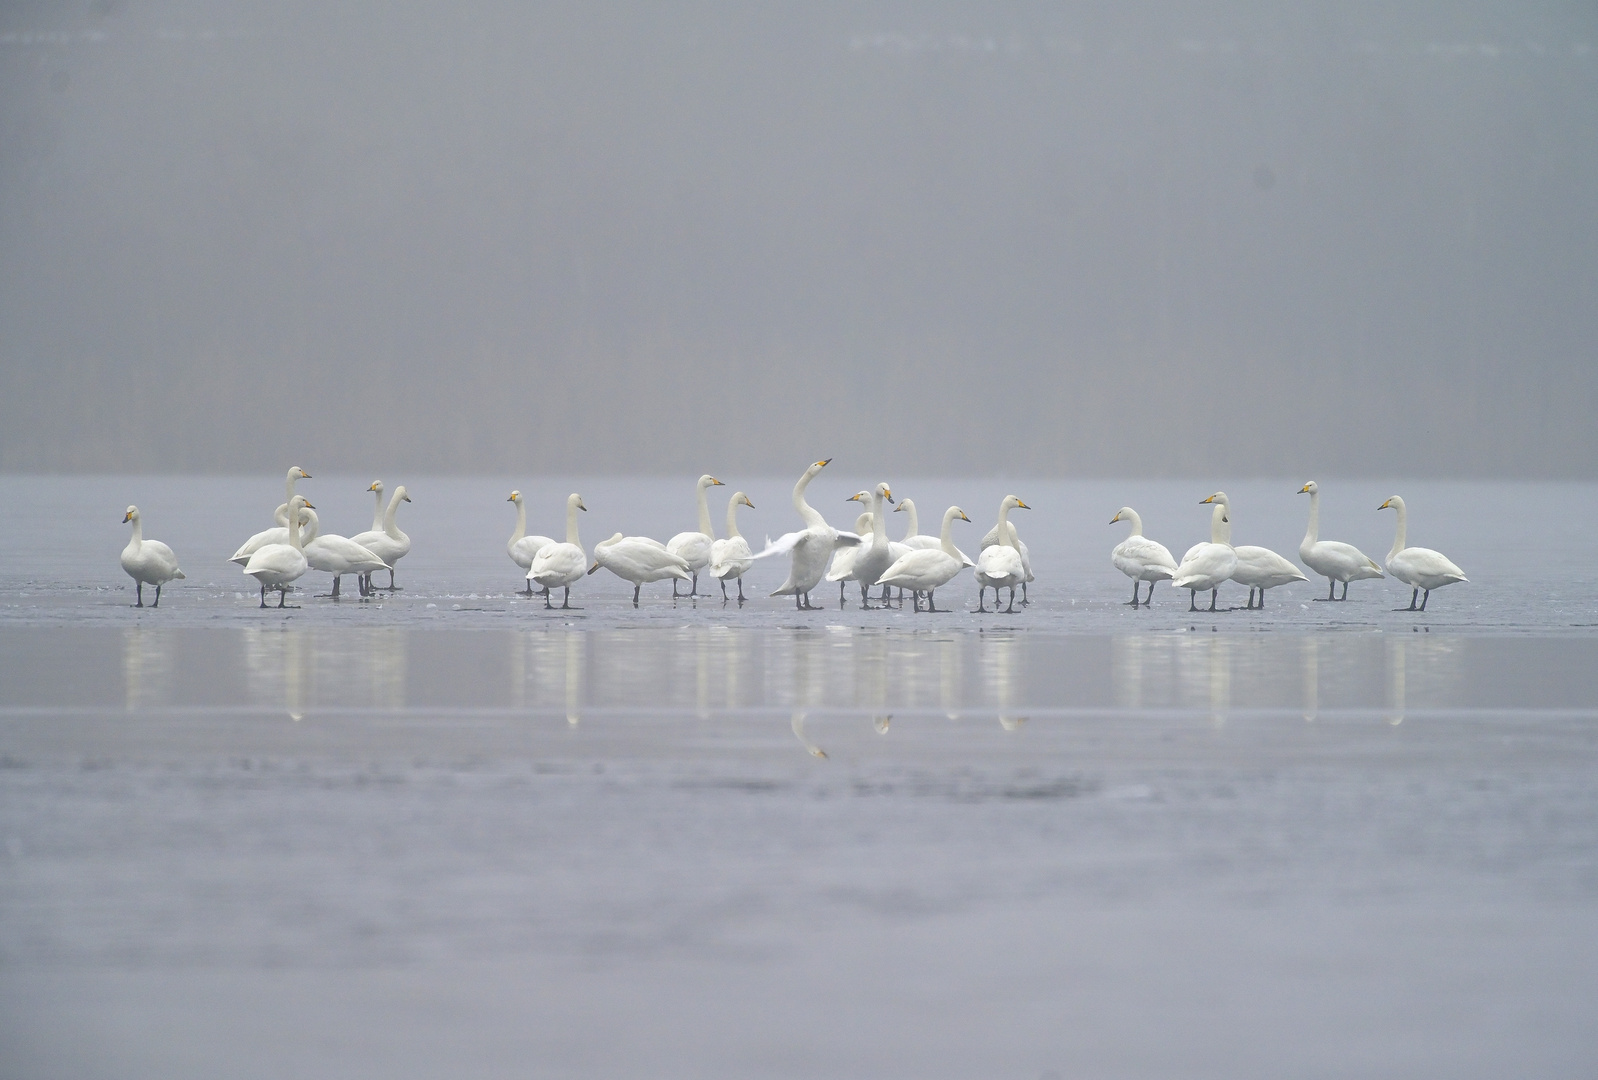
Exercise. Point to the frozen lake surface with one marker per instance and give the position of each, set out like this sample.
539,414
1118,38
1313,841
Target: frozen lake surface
447,832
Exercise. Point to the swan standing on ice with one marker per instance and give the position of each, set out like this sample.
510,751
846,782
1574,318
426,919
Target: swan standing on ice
992,538
1420,568
874,555
842,568
1140,558
1206,566
1001,564
1333,560
810,548
387,543
336,555
694,547
275,566
147,562
558,566
638,559
923,570
521,547
279,534
731,558
1257,567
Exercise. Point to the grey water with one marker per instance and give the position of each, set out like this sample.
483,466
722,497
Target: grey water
447,830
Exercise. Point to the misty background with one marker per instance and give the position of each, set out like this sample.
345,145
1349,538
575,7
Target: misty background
1241,239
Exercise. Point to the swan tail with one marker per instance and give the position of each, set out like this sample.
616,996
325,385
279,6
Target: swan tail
177,574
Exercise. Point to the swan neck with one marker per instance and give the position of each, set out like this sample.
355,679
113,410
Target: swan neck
1399,537
388,516
732,519
914,528
294,529
1220,528
704,514
138,533
807,513
312,527
1137,524
1005,538
879,526
946,536
1313,533
571,524
521,521
288,489
377,513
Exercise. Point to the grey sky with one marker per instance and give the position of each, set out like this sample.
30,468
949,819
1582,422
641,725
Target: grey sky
1115,239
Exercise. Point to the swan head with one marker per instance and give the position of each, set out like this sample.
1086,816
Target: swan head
955,513
1309,489
859,496
1394,503
574,501
707,481
1122,514
401,495
377,486
1218,497
822,464
1012,502
302,503
885,491
743,499
902,504
515,497
131,515
297,473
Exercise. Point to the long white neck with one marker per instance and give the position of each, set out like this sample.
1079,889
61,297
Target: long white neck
908,507
1220,525
732,517
310,525
1313,533
393,508
571,522
1137,523
138,532
377,513
1403,527
521,521
288,487
704,511
294,526
1006,537
946,536
879,526
809,514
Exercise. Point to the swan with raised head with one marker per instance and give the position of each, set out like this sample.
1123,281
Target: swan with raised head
1206,566
279,534
1332,559
388,543
914,538
924,570
875,555
731,558
559,566
1258,568
842,568
1420,568
1000,564
522,547
694,547
376,488
1140,558
276,566
992,537
639,560
147,562
809,549
336,555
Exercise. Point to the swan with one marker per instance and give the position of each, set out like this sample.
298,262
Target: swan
280,534
147,561
521,547
1000,564
694,547
377,489
874,556
992,537
276,565
1257,567
388,543
1420,568
1205,566
810,548
639,560
923,570
913,536
1333,560
731,558
336,555
559,565
1140,558
842,568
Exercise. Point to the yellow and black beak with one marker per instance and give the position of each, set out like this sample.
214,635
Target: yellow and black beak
716,483
1208,500
820,463
1385,505
748,503
1303,489
1114,519
1022,505
126,518
963,517
308,506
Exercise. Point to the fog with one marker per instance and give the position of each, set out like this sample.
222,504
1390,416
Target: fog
1234,240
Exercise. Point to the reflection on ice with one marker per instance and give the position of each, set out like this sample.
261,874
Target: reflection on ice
146,667
1004,670
799,733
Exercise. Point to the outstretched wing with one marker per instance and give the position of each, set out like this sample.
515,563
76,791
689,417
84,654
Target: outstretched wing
781,546
847,539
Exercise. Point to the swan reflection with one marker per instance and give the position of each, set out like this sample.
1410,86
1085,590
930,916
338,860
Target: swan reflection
1003,669
146,667
799,733
1309,651
277,667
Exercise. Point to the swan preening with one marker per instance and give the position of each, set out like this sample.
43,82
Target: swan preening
147,562
1332,560
1420,568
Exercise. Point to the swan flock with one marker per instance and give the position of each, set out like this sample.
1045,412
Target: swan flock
277,557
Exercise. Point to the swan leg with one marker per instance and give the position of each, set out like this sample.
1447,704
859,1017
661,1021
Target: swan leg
982,593
865,597
1414,596
930,605
1262,599
263,596
1192,599
1024,600
566,600
693,590
724,590
638,587
547,605
740,589
1345,592
1213,594
1011,608
158,599
842,585
1423,599
1135,585
138,587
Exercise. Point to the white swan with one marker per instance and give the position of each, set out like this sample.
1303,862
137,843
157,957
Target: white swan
147,562
1257,567
387,543
336,555
1206,566
377,489
1140,558
731,558
810,548
1333,560
924,570
991,537
275,566
639,560
279,534
875,556
842,568
521,547
694,547
558,566
1420,568
1000,564
914,538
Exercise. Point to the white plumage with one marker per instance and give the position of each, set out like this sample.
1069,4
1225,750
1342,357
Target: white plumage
147,562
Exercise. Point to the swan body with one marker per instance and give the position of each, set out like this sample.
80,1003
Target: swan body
914,538
558,566
636,559
810,548
147,562
874,555
991,538
387,543
1420,568
1332,559
923,570
279,534
1258,568
842,568
336,555
276,566
694,547
1140,558
521,547
731,558
1000,564
1206,566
